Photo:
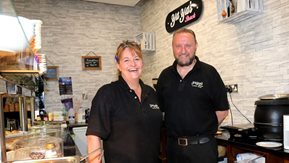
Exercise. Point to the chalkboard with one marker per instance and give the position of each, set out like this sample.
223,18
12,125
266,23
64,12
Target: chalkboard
91,62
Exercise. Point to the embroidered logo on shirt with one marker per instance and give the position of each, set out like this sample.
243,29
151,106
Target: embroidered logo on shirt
197,84
154,106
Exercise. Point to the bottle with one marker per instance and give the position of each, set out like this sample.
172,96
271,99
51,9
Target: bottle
29,123
71,116
87,113
81,115
43,115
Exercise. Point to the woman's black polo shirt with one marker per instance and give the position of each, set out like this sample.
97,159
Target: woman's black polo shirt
190,103
130,129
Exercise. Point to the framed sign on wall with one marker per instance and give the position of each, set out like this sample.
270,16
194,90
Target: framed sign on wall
52,73
91,63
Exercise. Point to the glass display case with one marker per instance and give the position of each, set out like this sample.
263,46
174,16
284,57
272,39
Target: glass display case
38,147
19,71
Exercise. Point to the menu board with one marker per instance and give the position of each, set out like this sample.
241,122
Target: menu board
91,62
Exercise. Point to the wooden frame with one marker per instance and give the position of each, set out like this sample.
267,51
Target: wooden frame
91,62
52,73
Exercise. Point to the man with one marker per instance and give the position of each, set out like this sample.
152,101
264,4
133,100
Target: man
194,99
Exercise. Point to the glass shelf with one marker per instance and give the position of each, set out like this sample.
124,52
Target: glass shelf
26,79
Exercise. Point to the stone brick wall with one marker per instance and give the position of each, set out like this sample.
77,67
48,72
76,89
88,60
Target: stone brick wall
73,28
252,53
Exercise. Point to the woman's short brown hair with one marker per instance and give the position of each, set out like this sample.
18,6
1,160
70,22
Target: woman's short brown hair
132,45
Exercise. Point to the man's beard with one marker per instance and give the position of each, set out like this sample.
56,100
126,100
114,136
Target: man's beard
182,64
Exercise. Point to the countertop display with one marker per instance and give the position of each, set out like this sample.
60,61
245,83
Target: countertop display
38,147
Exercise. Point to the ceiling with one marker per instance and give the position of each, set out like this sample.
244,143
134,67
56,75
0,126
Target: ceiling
117,2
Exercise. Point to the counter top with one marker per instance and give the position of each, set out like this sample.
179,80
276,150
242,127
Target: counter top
70,126
77,124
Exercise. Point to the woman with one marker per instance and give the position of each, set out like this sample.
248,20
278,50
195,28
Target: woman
125,114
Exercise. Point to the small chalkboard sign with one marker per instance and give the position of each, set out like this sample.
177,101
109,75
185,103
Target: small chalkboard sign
91,62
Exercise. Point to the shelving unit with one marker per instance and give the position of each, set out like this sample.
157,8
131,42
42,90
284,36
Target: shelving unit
235,11
19,108
147,41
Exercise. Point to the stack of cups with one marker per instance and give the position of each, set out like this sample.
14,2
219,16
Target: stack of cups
286,131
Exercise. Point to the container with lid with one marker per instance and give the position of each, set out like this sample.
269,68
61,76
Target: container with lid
268,117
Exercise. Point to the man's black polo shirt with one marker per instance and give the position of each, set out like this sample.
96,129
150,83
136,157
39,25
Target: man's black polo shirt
190,103
130,129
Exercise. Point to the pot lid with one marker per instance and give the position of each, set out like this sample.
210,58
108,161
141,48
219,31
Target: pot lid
274,96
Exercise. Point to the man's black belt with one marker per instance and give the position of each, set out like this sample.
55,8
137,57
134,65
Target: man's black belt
190,140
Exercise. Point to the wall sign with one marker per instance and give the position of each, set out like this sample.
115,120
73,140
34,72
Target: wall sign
184,15
91,62
52,73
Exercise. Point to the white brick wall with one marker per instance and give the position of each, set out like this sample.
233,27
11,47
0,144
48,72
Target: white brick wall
252,53
73,28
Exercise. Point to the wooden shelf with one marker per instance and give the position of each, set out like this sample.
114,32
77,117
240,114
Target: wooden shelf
14,111
20,71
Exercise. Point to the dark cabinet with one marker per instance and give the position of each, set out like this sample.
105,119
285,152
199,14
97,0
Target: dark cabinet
19,110
239,145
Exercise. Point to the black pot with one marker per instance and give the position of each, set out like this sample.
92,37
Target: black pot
268,118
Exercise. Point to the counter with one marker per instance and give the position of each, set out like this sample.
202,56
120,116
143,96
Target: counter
70,126
235,146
